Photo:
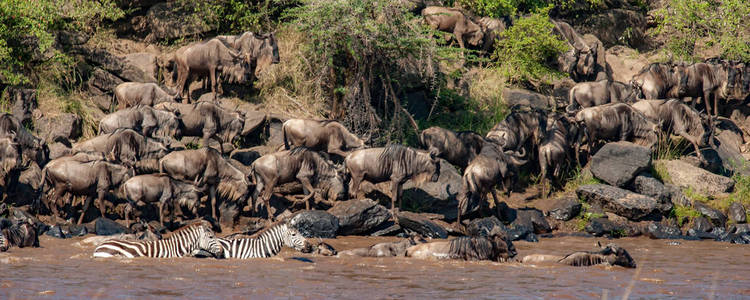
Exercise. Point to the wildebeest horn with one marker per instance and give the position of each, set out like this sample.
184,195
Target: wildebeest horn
599,244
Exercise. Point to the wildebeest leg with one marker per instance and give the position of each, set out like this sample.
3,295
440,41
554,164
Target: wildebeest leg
497,202
51,201
86,205
266,195
212,195
356,180
161,213
212,75
307,186
395,189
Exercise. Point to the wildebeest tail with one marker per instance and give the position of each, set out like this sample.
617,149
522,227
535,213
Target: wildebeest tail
283,134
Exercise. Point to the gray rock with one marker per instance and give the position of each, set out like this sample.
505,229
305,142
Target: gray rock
663,231
144,61
737,213
676,196
704,182
743,228
19,102
484,226
102,82
717,218
647,185
603,226
58,149
113,64
561,90
104,226
531,218
57,232
565,208
618,163
421,224
527,98
71,38
64,126
387,228
436,197
315,224
359,216
701,224
619,201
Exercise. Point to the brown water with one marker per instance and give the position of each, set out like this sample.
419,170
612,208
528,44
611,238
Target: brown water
65,269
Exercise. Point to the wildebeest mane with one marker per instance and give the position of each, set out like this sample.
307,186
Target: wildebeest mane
583,258
314,161
471,248
397,157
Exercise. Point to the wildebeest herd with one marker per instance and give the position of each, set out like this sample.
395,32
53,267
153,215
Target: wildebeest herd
138,158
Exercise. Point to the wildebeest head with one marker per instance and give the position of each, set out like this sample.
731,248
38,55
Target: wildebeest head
119,174
435,169
617,256
10,155
586,62
170,125
234,129
266,52
475,34
503,246
336,187
237,72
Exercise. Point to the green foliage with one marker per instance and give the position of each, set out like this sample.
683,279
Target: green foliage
741,191
27,30
237,16
501,8
695,196
523,50
460,113
687,23
585,217
659,170
578,177
683,213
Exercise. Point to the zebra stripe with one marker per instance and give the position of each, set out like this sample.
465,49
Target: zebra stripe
267,244
4,242
182,242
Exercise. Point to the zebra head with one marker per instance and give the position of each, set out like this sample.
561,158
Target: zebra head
207,241
4,243
294,239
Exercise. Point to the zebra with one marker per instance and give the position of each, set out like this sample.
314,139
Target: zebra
185,241
267,243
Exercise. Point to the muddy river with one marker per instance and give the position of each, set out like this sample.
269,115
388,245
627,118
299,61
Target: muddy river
64,269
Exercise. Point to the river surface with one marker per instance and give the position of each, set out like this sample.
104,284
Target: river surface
64,269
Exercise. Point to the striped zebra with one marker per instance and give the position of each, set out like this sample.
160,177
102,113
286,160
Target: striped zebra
267,243
185,241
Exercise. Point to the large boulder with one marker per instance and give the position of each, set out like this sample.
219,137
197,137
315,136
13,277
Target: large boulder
565,208
484,226
657,230
618,163
102,83
421,224
145,62
700,227
527,98
63,126
59,149
737,213
684,175
115,65
435,197
648,185
620,202
603,226
104,226
359,216
315,224
717,217
19,102
531,218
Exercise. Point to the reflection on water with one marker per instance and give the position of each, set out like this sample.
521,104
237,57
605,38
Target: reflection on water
63,269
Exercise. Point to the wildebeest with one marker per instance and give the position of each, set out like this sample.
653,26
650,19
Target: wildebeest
208,120
385,249
394,163
615,122
130,94
454,21
656,81
700,80
583,57
124,146
678,118
300,164
145,120
324,135
205,166
519,129
153,188
491,167
262,48
492,28
556,148
90,179
594,93
206,59
496,247
32,148
611,255
458,148
10,161
20,234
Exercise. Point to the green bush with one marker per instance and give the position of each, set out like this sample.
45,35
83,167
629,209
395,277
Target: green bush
686,23
27,30
523,50
501,8
237,16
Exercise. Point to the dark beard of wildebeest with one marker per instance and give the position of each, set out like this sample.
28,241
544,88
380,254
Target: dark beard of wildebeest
129,94
612,255
91,179
656,81
556,149
262,48
153,188
126,146
324,135
32,148
21,234
701,80
394,163
458,148
299,164
454,21
491,167
581,58
678,118
205,166
188,240
10,162
588,94
385,249
208,120
492,28
496,247
519,130
614,122
208,59
738,80
143,119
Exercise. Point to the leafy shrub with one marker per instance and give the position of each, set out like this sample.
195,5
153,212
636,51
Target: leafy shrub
237,16
501,8
523,50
